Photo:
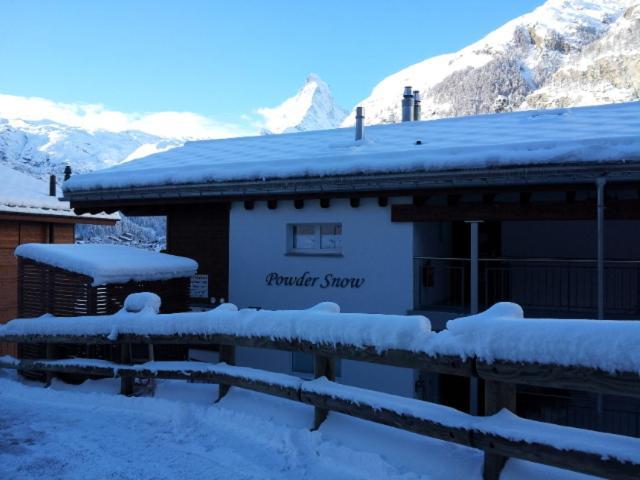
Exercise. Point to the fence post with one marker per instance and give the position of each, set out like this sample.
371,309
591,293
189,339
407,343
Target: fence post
227,355
497,395
50,353
126,383
323,366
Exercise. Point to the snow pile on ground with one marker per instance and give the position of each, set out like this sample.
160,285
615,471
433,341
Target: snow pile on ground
73,432
107,263
502,333
575,135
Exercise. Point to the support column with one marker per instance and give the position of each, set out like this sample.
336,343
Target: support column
322,367
474,292
600,184
126,383
474,269
227,355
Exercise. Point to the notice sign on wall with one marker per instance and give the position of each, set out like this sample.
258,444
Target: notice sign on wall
199,287
328,280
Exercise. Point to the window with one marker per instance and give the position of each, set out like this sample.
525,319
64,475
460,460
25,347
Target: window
315,238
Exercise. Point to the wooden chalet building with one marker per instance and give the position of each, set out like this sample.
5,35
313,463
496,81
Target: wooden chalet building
444,217
30,212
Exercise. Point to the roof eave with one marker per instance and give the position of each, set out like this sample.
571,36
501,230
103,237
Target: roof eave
576,173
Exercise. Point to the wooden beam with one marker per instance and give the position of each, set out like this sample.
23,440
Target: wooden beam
126,383
488,198
419,200
227,354
388,417
579,461
323,366
272,204
248,205
561,377
585,210
325,202
453,199
497,395
451,365
383,201
354,202
26,217
298,203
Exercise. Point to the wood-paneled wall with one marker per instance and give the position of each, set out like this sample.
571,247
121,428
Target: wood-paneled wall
201,232
13,234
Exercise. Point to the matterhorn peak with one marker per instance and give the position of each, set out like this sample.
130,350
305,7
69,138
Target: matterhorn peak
311,108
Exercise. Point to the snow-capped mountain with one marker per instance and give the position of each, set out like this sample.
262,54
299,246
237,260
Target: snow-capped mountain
312,108
42,147
565,52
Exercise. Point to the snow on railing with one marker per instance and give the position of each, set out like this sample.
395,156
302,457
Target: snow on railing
499,346
500,333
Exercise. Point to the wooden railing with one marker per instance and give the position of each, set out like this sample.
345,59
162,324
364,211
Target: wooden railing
437,421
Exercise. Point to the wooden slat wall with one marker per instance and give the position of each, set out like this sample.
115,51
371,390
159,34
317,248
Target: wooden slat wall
201,232
12,234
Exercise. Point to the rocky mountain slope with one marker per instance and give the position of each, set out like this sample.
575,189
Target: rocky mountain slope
565,52
43,147
312,108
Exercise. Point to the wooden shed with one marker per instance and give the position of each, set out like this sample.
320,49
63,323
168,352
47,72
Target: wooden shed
30,212
94,279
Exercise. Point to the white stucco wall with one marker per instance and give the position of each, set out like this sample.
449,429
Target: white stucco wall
373,249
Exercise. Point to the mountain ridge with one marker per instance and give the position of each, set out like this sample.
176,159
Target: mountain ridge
311,108
505,68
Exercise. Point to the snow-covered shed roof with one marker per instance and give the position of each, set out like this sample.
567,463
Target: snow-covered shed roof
109,264
23,194
606,133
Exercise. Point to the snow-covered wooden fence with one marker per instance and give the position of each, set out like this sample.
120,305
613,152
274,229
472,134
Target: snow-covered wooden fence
498,346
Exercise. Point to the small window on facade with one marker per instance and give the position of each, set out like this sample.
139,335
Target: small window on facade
315,238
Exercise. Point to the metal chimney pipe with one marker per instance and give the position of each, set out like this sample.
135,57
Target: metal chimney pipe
407,105
52,185
67,172
417,108
359,123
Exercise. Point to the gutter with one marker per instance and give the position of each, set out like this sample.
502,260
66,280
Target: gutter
621,171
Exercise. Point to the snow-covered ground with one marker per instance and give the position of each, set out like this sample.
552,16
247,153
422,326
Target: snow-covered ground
88,431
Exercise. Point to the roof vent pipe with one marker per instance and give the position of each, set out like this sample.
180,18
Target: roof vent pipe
359,123
52,185
67,172
417,109
407,105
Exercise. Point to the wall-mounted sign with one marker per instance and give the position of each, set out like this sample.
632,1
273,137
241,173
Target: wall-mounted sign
328,280
199,287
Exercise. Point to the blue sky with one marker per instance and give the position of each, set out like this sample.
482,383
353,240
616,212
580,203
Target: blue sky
226,59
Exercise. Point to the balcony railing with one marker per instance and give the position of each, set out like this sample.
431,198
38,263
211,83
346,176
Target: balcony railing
541,285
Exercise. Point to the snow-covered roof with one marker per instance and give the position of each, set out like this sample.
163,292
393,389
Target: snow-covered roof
22,193
608,133
108,264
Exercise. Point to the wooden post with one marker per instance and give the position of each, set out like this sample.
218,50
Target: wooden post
497,395
322,367
51,355
228,356
126,383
